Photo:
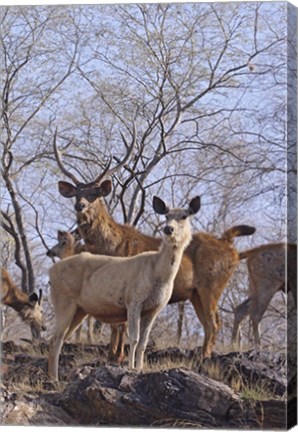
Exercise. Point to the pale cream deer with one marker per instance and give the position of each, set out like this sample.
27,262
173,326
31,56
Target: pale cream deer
116,289
69,244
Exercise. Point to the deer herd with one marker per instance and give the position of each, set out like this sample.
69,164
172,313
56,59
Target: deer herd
120,276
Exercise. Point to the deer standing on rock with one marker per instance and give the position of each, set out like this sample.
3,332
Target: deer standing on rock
207,263
27,306
69,245
267,274
116,289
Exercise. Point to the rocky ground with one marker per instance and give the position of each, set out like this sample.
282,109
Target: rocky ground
176,389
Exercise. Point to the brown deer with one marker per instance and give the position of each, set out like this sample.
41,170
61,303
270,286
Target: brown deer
267,274
68,245
27,306
116,289
206,266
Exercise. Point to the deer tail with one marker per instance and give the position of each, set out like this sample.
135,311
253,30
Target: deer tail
237,231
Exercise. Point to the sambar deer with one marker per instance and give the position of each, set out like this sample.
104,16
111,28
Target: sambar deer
69,244
116,289
27,306
270,268
207,264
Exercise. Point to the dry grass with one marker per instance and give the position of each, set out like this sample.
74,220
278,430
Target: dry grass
258,392
166,364
176,423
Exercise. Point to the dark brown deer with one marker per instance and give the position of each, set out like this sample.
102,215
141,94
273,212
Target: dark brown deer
267,273
207,264
27,306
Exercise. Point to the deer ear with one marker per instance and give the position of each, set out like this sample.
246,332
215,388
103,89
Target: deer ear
67,189
194,205
159,206
33,298
60,234
40,297
105,188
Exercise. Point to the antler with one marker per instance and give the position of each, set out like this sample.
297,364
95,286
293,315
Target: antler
59,161
129,149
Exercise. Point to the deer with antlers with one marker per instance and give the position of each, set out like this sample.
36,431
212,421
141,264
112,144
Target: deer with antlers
27,306
207,263
270,268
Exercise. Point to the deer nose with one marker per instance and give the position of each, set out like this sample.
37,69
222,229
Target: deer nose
168,230
50,254
79,207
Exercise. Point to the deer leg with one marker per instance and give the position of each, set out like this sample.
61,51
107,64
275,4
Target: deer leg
256,331
90,332
121,341
201,314
145,328
77,320
114,342
133,319
198,307
64,318
241,311
79,331
211,325
211,331
210,320
217,326
256,316
180,321
265,292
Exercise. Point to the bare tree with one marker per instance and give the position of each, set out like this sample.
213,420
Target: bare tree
22,43
205,86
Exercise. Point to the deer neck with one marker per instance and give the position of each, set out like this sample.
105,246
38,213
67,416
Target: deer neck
99,230
170,256
69,251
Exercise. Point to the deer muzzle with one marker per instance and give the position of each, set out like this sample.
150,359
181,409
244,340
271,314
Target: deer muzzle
79,207
168,230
